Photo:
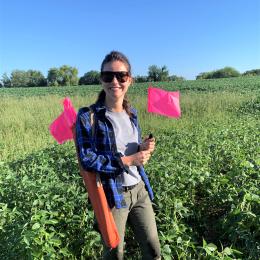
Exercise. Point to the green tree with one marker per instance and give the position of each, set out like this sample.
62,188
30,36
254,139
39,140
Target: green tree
90,78
156,73
69,75
22,78
164,74
226,72
35,79
205,75
141,79
6,81
54,77
19,78
175,78
63,76
255,72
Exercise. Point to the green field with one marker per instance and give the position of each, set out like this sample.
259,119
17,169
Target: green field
204,173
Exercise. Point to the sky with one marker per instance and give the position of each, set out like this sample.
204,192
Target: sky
187,36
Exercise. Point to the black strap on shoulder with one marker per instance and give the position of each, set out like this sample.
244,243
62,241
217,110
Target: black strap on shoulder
92,121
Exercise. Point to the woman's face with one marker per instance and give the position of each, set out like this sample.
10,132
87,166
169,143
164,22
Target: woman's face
116,90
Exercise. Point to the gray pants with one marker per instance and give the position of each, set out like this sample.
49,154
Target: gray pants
139,213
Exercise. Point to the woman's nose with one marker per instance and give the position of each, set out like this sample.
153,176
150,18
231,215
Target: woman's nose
115,79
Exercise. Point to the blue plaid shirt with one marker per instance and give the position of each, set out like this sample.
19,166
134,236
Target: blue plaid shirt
98,152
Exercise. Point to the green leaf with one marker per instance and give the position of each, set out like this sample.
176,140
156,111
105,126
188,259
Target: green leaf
167,249
51,221
36,226
55,242
26,241
179,240
212,247
227,251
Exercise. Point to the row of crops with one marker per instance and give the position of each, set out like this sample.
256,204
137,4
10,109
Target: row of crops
240,84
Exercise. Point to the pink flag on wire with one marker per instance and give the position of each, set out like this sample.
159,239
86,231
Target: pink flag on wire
163,102
61,127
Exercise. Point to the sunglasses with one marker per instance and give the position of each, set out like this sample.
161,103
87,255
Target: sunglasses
108,76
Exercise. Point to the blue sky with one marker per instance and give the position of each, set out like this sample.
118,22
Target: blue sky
187,36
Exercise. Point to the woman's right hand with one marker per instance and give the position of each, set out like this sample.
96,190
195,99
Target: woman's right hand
136,159
148,144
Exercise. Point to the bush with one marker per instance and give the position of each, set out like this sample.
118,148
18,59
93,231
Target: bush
63,76
22,78
175,78
156,73
255,72
226,72
141,79
90,78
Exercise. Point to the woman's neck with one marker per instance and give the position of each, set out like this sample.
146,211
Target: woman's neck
115,106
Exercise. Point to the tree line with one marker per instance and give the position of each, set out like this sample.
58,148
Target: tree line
227,72
68,76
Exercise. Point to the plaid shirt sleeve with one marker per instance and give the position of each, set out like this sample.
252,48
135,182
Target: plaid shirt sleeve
109,164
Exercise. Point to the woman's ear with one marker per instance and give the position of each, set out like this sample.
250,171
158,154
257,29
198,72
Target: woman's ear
131,80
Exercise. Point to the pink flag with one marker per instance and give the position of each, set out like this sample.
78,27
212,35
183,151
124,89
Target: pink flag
61,127
163,102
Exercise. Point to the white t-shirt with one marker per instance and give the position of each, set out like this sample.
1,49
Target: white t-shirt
126,141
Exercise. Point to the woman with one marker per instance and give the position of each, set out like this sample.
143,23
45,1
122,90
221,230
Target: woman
116,152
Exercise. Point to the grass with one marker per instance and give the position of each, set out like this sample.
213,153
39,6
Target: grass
24,121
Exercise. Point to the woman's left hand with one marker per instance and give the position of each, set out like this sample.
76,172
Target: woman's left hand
148,144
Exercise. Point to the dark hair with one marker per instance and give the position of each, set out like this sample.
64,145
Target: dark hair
116,56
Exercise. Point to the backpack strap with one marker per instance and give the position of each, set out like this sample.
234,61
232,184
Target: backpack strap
92,124
92,121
